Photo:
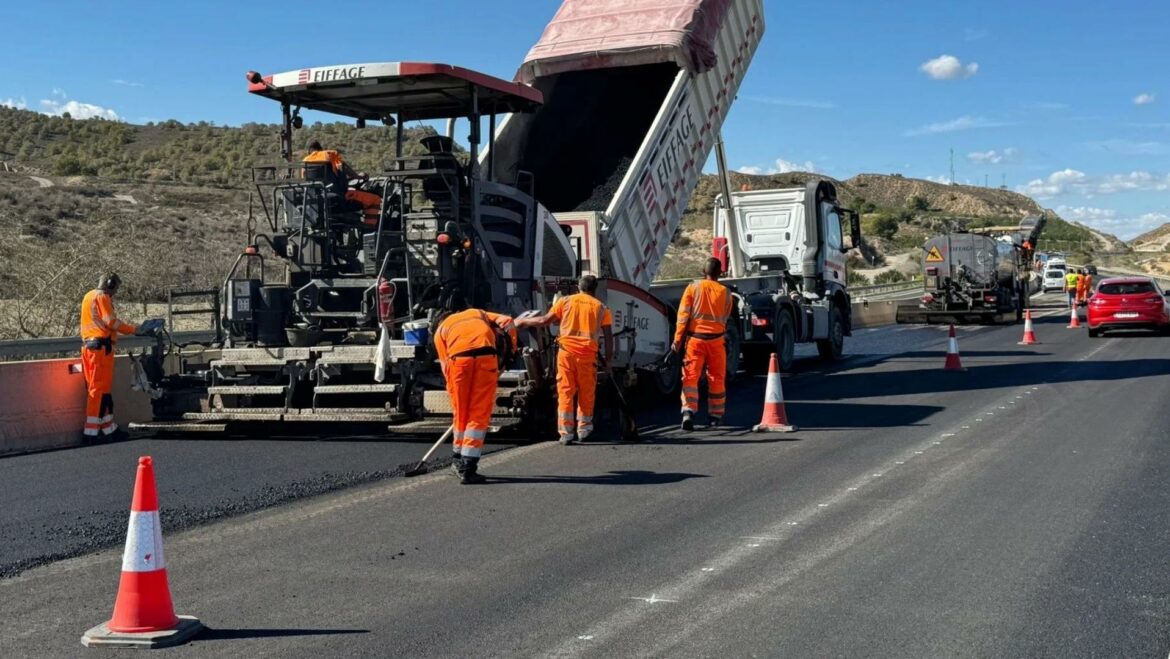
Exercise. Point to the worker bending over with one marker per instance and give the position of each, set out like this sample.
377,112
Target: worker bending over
468,342
337,173
583,320
100,328
702,322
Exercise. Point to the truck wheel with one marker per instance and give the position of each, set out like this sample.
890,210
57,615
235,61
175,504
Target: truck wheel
732,341
785,341
830,349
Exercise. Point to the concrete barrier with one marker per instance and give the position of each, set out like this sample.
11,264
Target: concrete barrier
875,313
44,403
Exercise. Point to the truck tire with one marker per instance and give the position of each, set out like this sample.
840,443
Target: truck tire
785,334
830,349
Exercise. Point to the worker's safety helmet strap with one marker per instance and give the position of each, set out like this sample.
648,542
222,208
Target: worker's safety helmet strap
109,281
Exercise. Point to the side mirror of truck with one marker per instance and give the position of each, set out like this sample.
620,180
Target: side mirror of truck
853,240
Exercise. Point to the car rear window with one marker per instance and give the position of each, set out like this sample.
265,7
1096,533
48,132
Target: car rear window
1053,274
1126,289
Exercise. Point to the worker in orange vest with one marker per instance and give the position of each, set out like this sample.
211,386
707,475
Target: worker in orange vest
1084,286
469,343
583,321
702,322
100,328
337,175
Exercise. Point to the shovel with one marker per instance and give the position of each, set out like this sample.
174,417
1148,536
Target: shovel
421,468
626,420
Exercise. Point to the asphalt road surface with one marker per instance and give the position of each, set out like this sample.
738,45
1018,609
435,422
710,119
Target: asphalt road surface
1021,508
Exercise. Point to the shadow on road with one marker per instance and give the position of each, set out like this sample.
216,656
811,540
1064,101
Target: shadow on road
630,477
209,634
989,376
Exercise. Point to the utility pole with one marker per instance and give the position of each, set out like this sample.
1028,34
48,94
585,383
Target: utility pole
985,180
952,166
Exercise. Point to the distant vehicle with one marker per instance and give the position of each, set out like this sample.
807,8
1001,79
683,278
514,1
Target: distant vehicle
1091,269
1053,279
1128,303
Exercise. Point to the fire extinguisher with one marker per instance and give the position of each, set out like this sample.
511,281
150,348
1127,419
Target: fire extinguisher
385,301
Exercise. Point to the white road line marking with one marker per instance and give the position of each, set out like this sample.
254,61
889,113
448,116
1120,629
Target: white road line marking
900,462
948,434
587,637
708,569
653,599
822,505
761,537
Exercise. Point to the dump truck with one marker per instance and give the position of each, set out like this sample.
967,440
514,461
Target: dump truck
976,277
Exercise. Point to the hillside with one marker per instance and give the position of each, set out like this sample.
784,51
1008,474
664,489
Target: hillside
898,215
166,206
1155,240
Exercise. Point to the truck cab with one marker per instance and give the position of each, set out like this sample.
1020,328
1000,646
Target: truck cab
796,239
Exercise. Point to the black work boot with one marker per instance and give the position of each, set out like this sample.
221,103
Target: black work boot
457,466
471,475
688,421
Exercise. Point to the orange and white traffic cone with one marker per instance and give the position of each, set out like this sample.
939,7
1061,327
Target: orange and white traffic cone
953,363
775,418
1074,320
144,616
1029,333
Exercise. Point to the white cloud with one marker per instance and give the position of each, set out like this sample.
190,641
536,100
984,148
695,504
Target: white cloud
15,104
1073,182
966,122
992,157
1085,213
972,34
1144,98
948,67
781,166
76,110
939,179
59,93
792,102
127,83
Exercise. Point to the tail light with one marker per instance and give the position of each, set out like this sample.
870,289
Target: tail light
757,321
989,298
927,299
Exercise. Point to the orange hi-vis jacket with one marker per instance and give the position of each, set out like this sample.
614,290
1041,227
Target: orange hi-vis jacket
328,155
466,331
581,317
98,320
704,310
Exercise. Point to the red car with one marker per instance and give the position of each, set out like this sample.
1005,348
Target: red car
1128,303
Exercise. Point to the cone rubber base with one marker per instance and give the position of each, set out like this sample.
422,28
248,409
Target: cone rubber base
771,427
101,636
1028,343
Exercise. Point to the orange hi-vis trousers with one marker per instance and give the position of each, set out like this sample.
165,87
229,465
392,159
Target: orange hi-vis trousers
471,382
711,354
98,368
576,378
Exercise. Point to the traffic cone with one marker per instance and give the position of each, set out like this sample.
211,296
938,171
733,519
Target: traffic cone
775,418
953,363
144,616
1029,334
1074,320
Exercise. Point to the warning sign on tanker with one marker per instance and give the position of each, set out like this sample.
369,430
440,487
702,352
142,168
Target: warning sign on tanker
934,256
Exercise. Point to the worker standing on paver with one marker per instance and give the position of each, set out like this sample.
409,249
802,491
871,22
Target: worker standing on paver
702,322
470,342
337,173
1070,287
100,328
583,320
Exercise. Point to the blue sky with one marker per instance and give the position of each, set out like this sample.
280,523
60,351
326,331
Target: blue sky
1065,101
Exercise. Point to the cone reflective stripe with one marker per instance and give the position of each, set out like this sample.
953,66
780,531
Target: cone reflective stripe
953,363
775,417
1029,333
143,612
1074,321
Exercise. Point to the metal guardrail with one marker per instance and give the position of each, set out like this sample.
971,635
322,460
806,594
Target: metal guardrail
882,289
72,344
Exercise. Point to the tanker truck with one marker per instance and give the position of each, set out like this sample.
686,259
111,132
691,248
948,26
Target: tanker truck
981,276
